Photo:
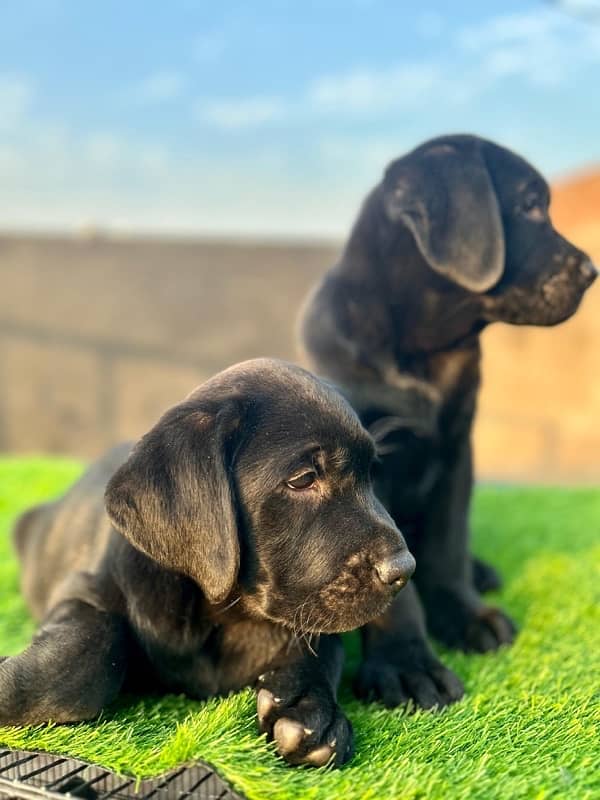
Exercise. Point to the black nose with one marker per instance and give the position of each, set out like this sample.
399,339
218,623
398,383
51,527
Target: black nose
588,271
396,569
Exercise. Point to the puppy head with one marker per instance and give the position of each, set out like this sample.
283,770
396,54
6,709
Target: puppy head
545,276
258,486
479,218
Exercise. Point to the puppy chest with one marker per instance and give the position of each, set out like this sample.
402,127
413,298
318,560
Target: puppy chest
246,649
455,373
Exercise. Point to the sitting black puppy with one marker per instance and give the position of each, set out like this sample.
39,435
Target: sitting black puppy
456,236
243,523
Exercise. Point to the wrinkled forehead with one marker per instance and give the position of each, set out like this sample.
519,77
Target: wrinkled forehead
302,415
510,172
293,419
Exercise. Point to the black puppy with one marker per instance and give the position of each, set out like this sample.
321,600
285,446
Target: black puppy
243,523
456,235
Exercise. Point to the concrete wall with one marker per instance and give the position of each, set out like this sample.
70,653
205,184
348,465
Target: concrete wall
98,337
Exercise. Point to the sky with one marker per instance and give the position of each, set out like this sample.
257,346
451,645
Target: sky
273,118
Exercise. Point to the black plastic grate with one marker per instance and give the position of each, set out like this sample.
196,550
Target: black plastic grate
41,775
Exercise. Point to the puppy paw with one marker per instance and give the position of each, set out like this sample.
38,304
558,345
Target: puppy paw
488,630
407,679
467,626
485,577
306,723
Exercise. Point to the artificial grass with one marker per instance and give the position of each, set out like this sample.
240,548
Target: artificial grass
529,726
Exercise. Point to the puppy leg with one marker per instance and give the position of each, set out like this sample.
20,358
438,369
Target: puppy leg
74,667
456,614
399,667
297,707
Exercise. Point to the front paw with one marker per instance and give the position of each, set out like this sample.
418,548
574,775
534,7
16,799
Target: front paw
488,629
304,721
468,626
407,676
485,577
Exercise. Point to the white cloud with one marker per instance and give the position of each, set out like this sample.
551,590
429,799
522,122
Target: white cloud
161,87
509,28
53,154
542,47
55,176
16,94
367,90
243,113
584,8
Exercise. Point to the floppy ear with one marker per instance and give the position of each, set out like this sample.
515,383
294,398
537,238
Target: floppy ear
172,499
446,198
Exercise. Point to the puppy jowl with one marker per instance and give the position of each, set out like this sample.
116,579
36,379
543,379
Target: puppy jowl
226,548
455,236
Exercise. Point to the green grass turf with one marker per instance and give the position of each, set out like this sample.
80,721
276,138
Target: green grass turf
529,726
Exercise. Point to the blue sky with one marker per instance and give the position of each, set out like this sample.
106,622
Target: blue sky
272,117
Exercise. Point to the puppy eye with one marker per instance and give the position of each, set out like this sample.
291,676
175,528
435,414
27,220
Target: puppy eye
532,207
303,481
530,202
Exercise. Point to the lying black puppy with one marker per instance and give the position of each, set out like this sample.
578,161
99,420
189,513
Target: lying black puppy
456,236
240,525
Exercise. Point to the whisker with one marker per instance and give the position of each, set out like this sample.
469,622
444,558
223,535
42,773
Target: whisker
309,645
227,607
